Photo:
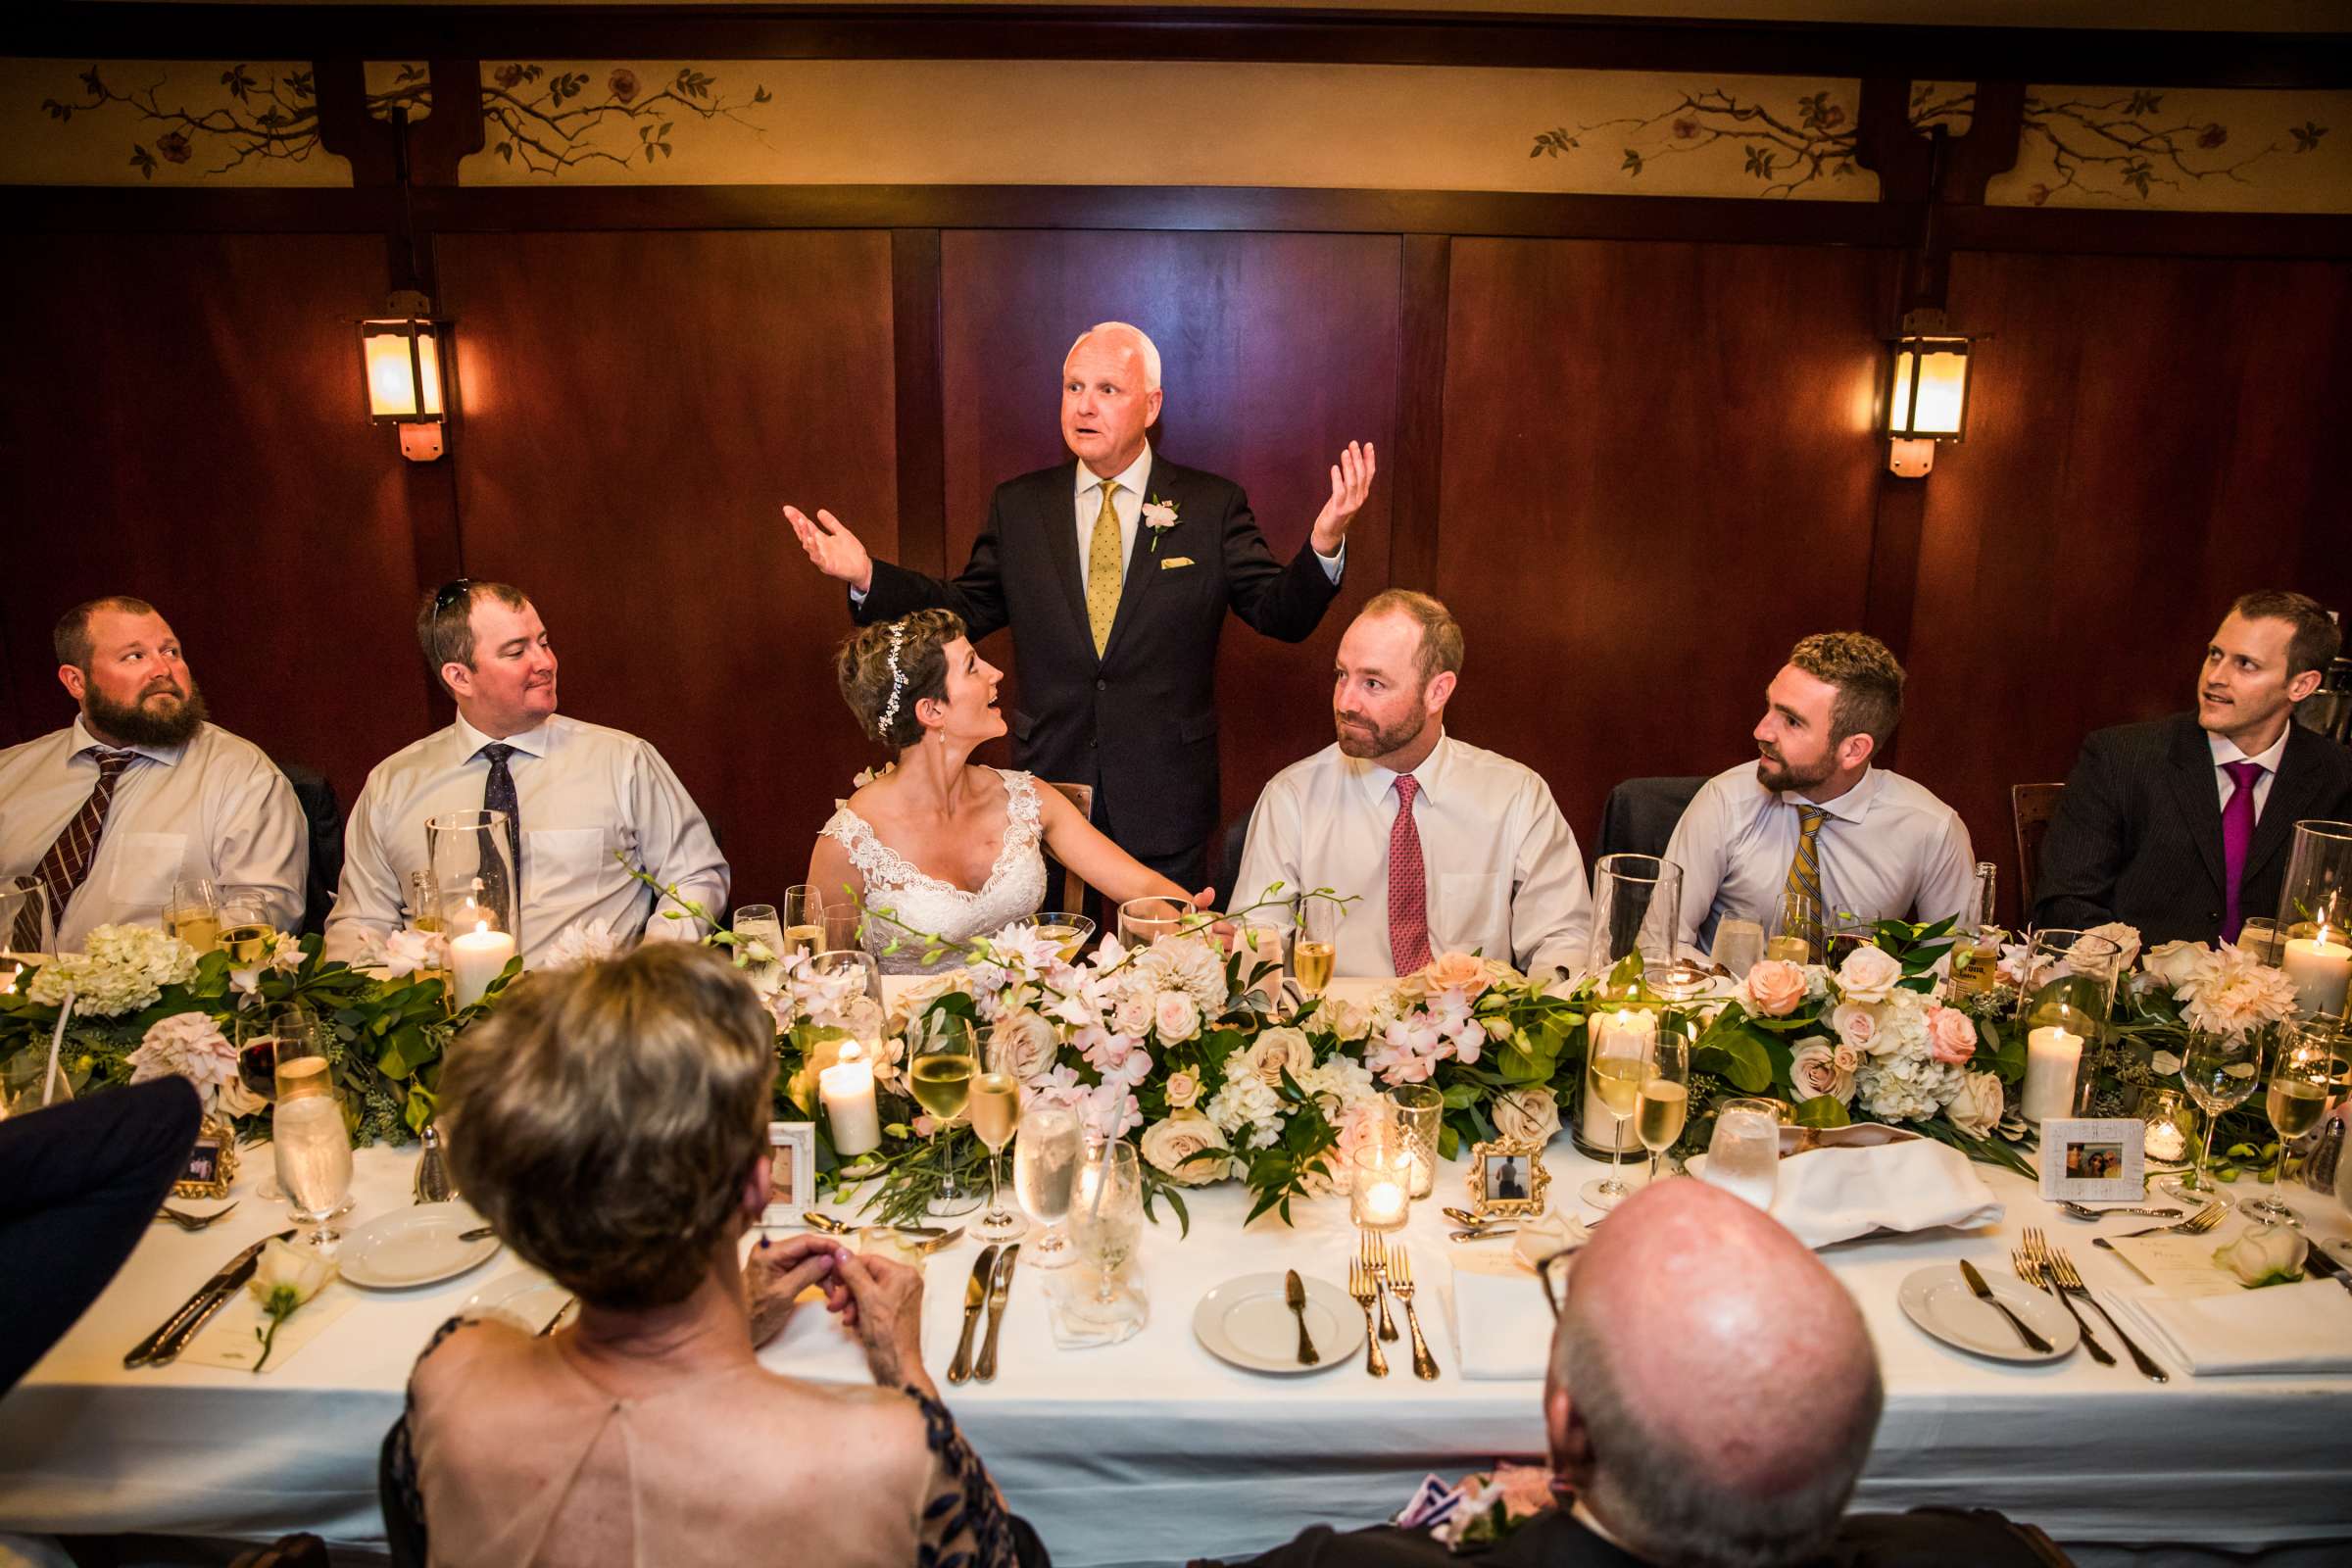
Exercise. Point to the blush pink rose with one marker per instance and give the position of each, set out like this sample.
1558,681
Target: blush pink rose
1776,988
1951,1035
1458,971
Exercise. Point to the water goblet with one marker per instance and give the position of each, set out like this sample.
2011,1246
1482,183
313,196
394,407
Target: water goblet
2218,1072
1744,1157
1107,1220
308,1138
1044,1178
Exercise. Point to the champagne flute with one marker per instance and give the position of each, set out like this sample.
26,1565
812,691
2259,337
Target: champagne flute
1796,930
759,922
940,1067
803,920
844,928
2218,1072
1143,921
1044,1178
1665,1104
1739,944
1616,1069
307,1137
1106,1219
194,914
995,1112
2297,1097
1315,945
1744,1156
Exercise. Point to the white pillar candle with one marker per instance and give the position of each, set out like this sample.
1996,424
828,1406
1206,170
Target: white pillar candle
475,959
2321,966
848,1090
1623,1033
1385,1201
2053,1056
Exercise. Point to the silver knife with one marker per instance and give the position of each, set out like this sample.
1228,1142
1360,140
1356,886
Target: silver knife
2322,1263
998,1295
975,1297
200,1305
1984,1292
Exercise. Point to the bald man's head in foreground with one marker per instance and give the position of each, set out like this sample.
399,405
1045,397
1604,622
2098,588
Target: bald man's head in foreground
1713,1391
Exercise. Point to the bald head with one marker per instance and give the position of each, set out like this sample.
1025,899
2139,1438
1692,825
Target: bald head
1692,1321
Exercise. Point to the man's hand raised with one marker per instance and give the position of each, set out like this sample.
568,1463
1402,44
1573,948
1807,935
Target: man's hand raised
1351,483
837,552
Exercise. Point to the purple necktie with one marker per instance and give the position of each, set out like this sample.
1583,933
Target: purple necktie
2237,837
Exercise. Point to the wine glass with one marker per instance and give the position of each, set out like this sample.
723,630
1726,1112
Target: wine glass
246,925
2218,1072
259,1034
1739,944
1315,944
1665,1104
1044,1178
1796,929
194,914
941,1064
803,920
995,1107
309,1138
1616,1066
2297,1097
844,925
1106,1219
1143,921
760,922
2260,937
1744,1157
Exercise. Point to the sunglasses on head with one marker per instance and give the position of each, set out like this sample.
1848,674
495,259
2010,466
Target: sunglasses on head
452,595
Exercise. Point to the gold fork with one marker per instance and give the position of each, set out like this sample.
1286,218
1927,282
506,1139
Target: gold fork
2032,1262
2069,1282
1400,1281
1376,1261
1366,1290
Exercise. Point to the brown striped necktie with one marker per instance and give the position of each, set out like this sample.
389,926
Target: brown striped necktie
63,869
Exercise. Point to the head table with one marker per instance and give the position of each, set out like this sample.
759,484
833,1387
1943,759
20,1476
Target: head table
1151,1450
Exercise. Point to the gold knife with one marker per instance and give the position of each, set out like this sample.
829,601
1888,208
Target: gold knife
1293,1290
1984,1292
998,1295
975,1297
200,1305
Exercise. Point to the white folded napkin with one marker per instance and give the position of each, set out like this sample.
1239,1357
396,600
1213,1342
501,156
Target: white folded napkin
2305,1326
1501,1323
1828,1195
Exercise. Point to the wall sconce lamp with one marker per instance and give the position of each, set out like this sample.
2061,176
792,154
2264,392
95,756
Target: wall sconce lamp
1926,392
401,352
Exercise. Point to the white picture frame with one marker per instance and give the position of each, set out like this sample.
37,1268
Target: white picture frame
2094,1159
790,1172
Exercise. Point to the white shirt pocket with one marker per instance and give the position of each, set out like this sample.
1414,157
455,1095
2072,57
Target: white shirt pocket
144,868
563,863
1470,909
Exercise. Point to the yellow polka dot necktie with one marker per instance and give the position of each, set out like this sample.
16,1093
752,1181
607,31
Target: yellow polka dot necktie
1103,570
1805,870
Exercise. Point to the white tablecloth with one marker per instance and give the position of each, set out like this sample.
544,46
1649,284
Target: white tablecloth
1153,1451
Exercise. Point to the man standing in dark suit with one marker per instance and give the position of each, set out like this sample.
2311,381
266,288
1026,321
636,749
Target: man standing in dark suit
1115,571
2180,826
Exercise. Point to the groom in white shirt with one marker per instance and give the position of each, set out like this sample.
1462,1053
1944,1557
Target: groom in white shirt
1448,848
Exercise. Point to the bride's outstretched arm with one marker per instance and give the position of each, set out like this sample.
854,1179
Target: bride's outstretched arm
837,882
1102,864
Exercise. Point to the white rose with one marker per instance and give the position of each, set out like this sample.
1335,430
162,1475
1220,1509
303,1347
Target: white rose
1350,1021
1184,1089
2126,939
2267,1255
1276,1052
1813,1072
1176,1016
1526,1116
1869,974
1168,1145
1977,1108
1859,1025
1028,1042
291,1268
2177,963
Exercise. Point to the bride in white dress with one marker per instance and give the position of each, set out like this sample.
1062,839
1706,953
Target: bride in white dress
948,848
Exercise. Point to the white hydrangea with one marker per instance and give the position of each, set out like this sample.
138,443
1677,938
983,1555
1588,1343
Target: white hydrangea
1907,1088
1243,1103
120,970
1342,1080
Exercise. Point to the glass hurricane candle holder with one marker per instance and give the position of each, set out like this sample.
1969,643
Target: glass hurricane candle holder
2171,1127
2315,918
1381,1196
1636,899
1415,1111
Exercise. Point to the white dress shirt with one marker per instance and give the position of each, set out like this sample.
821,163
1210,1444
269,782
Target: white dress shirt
2225,752
215,807
1889,849
583,791
1504,875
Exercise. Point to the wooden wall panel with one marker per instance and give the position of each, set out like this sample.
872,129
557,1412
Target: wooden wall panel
637,407
2147,439
191,431
1276,348
1658,475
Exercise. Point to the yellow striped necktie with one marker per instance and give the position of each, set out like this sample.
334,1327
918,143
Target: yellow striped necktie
1103,570
1805,869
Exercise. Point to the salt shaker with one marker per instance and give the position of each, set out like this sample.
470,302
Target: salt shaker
433,1183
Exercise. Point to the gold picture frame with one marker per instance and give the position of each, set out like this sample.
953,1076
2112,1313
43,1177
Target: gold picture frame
1492,1169
213,1164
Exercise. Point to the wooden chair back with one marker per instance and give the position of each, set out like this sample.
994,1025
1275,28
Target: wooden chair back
2030,806
1073,889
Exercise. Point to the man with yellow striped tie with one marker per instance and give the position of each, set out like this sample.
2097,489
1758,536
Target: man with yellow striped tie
1813,825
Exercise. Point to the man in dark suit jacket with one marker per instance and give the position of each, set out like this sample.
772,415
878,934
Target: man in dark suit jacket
1114,573
2180,826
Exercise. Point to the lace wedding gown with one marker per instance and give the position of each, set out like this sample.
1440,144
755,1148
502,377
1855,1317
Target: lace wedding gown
1015,885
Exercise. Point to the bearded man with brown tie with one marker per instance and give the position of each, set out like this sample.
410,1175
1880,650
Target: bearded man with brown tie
140,791
1114,573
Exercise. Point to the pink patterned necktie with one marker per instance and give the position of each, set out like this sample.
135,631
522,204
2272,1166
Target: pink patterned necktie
1408,885
2237,837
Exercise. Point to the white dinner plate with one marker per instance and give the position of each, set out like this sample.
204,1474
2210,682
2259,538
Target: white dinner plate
1249,1322
416,1246
1938,1300
526,1299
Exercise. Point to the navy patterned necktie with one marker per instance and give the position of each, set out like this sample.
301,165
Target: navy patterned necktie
498,795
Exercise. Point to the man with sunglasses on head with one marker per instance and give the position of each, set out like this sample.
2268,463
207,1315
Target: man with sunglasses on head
584,804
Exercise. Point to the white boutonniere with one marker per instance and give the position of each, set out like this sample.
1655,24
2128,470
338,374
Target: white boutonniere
1159,516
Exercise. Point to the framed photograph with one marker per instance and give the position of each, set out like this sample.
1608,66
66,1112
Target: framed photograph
212,1164
2094,1160
1507,1178
791,1171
